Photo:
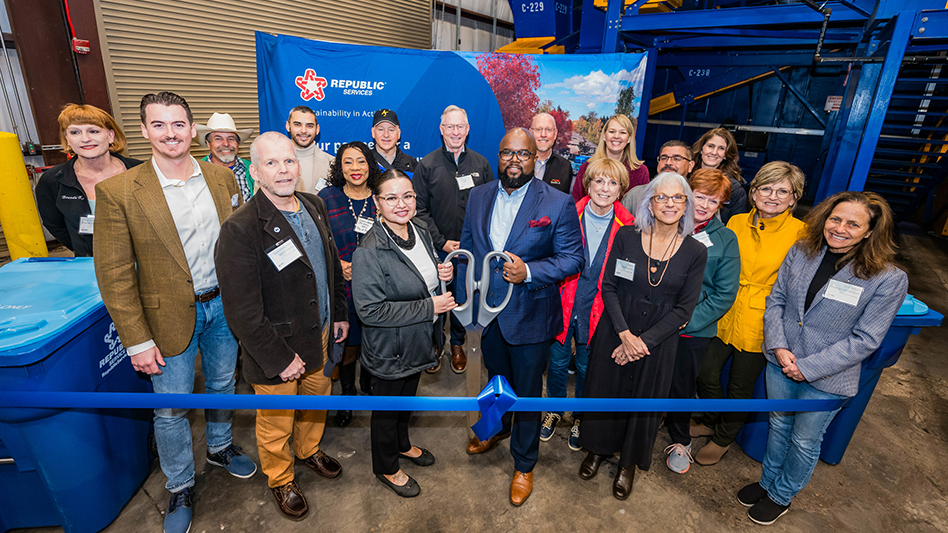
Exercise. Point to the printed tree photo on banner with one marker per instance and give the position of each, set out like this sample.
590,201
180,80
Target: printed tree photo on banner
580,92
514,78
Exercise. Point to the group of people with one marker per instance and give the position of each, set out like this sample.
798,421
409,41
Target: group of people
306,263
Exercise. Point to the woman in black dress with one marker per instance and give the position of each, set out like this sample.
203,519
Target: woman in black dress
651,285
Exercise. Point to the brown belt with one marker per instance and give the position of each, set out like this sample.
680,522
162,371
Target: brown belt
205,297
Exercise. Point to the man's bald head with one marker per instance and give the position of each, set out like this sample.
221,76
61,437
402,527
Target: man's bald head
517,157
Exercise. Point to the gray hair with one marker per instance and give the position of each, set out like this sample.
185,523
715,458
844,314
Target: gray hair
645,221
267,137
451,109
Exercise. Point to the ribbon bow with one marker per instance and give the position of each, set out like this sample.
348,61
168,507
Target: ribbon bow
496,398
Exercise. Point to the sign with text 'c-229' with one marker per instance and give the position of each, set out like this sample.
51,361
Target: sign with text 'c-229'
345,84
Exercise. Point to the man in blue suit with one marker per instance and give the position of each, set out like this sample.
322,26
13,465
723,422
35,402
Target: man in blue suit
538,227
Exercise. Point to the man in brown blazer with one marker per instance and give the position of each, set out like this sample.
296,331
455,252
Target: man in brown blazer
283,292
156,228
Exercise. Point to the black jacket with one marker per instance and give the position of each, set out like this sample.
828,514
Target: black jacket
402,161
62,202
558,173
399,334
737,204
275,313
441,203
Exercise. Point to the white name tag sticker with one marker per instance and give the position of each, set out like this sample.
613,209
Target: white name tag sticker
284,253
363,225
86,224
625,269
843,292
466,182
703,238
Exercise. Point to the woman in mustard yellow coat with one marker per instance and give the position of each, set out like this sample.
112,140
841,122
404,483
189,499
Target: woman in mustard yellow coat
764,237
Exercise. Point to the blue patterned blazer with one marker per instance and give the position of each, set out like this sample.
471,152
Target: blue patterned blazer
831,339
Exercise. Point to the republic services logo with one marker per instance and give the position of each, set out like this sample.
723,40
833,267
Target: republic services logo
311,86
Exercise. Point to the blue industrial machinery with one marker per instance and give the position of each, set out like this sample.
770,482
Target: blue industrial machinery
766,70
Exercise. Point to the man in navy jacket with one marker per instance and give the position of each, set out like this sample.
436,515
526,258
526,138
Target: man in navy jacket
538,227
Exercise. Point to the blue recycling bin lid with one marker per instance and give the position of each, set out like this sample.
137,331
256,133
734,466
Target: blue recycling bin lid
40,298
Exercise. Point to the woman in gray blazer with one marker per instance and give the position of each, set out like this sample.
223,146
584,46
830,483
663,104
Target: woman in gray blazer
836,295
395,275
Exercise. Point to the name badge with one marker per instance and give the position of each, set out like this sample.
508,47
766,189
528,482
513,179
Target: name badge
86,224
625,269
363,225
843,292
703,238
465,182
284,253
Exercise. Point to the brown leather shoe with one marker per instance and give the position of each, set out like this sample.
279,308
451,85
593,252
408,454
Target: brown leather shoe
436,368
324,465
290,501
520,487
458,359
711,454
480,446
590,466
622,485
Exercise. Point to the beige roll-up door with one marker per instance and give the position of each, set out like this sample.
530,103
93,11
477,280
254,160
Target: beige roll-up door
205,51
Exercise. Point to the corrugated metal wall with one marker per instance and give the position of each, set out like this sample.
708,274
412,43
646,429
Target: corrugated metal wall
205,51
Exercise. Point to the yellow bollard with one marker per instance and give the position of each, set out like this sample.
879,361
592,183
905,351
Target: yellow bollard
18,215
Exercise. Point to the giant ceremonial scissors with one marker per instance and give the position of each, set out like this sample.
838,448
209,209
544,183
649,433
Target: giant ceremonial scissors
486,313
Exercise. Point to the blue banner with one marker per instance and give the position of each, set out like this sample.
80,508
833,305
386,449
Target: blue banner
345,84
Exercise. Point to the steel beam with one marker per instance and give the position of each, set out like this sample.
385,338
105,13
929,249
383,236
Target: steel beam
610,37
796,92
788,14
901,35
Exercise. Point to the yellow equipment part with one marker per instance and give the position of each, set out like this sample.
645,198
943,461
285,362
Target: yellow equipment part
18,215
652,6
531,45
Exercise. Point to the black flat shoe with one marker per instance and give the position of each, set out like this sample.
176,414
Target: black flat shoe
590,466
425,459
343,418
408,490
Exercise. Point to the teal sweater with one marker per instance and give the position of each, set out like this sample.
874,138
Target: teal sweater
722,276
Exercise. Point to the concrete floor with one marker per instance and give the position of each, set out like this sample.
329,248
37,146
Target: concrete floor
893,477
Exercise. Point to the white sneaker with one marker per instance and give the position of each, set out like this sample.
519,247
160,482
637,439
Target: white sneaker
679,457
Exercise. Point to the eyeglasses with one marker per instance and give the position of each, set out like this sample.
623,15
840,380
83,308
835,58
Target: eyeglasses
543,130
452,127
523,155
393,200
662,199
675,158
768,191
711,201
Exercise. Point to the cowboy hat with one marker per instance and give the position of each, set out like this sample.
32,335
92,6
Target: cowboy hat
224,123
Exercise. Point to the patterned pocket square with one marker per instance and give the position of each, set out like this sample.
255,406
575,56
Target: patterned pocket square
545,221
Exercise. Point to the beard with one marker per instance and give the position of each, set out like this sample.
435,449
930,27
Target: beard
514,183
227,158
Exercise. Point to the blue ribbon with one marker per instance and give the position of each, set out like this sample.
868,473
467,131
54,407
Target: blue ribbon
147,400
495,400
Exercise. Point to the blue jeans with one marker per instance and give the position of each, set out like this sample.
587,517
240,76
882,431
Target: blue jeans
218,349
558,372
793,444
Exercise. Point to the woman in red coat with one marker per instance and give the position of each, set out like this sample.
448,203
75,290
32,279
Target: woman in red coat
600,216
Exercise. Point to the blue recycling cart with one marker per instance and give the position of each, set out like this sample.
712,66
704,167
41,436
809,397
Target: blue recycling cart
74,468
912,317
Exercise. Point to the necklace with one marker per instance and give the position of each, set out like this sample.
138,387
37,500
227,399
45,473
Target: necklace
654,268
353,211
404,244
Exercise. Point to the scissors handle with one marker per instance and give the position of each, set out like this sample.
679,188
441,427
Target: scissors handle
487,313
464,312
